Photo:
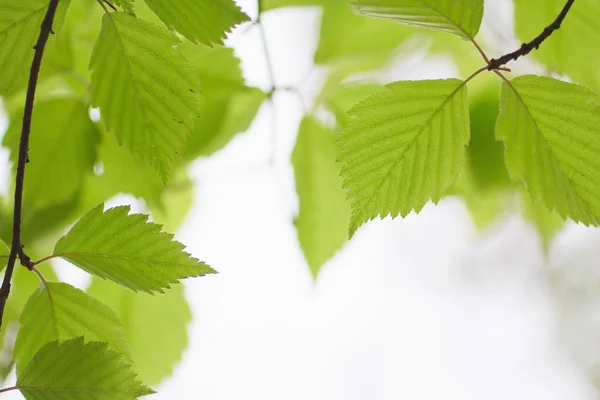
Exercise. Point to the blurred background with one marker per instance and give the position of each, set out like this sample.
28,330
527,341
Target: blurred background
467,300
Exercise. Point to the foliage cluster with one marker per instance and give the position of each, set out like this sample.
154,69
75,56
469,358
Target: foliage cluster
130,94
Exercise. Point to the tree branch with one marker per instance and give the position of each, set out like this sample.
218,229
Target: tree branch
527,48
16,247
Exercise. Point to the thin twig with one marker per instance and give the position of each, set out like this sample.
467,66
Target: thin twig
8,389
16,246
527,48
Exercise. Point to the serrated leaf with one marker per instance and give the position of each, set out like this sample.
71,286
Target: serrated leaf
78,370
322,222
462,18
146,90
59,311
559,53
550,131
406,145
144,320
19,29
128,250
62,150
204,21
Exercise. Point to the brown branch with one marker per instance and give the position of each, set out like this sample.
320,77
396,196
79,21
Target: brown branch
16,247
527,48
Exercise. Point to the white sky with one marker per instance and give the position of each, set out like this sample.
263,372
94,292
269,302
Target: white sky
422,308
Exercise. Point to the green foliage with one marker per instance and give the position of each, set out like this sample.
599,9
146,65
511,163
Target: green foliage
406,145
211,18
126,5
128,250
93,372
144,320
461,18
4,251
19,30
322,222
569,51
158,89
59,312
549,129
51,179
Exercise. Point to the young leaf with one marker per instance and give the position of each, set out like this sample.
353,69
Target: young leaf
146,90
406,145
322,222
550,131
128,250
462,18
59,311
63,148
204,21
144,320
19,29
78,370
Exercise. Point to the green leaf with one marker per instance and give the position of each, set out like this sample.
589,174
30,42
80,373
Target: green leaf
59,311
4,252
128,250
19,30
145,318
550,131
204,21
462,18
273,4
176,202
339,98
78,370
62,150
146,90
126,5
558,53
406,145
348,38
322,222
217,67
547,223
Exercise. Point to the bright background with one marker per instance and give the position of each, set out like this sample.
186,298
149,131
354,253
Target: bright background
421,308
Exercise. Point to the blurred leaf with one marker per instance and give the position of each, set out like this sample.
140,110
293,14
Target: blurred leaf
340,98
322,222
145,318
157,100
462,18
549,129
62,151
4,252
78,370
126,5
218,68
204,21
349,38
177,201
19,31
128,250
405,146
58,311
547,223
485,154
559,53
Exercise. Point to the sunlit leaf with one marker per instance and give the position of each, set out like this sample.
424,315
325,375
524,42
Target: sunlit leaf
78,370
405,146
62,150
128,249
59,311
19,30
146,90
144,320
462,18
322,222
550,130
204,21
